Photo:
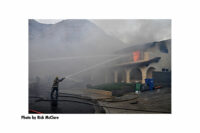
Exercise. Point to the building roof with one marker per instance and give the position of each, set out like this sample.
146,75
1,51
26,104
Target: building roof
140,47
138,63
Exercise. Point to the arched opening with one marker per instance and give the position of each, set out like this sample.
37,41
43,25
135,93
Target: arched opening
150,72
135,75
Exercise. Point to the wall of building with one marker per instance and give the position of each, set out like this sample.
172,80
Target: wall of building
165,61
162,78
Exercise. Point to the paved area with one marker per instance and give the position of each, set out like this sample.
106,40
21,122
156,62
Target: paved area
90,93
63,105
156,101
99,101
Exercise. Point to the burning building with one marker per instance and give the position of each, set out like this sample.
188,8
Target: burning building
138,62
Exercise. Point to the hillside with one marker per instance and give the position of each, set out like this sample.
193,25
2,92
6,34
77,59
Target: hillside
69,38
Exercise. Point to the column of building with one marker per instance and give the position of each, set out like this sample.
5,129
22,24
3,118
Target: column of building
115,76
144,73
127,74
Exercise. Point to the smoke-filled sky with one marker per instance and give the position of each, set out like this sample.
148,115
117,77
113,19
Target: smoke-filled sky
131,31
68,46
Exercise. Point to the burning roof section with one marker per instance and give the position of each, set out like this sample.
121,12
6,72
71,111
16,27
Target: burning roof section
141,47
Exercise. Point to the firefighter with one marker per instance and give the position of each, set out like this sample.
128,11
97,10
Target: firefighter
55,86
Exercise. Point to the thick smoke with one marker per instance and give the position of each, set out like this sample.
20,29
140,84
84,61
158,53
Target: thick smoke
136,31
131,31
71,46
